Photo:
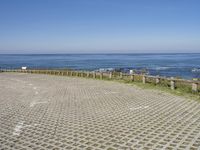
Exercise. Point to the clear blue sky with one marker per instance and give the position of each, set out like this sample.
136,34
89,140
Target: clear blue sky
95,26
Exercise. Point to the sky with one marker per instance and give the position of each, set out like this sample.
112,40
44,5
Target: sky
99,26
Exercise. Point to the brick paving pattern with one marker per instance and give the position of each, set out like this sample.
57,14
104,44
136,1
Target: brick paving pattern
45,112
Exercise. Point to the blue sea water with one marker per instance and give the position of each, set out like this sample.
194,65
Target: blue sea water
183,65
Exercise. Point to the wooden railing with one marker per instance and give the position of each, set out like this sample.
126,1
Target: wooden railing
173,83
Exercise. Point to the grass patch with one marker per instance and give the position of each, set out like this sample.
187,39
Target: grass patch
184,92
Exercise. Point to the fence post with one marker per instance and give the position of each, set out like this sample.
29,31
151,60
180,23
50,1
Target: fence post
101,75
132,77
121,75
157,80
143,79
110,75
172,83
88,74
195,87
77,73
94,74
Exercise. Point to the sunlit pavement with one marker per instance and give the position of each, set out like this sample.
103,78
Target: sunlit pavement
54,112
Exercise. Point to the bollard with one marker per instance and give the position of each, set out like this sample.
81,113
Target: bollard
132,77
94,75
172,83
157,80
121,75
194,87
143,79
110,75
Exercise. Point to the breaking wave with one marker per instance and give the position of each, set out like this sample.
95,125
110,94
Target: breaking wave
196,70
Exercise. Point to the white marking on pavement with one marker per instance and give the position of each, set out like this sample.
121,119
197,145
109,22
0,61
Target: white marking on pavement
35,88
18,127
32,104
110,92
140,107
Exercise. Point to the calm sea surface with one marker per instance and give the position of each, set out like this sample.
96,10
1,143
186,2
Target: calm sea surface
184,65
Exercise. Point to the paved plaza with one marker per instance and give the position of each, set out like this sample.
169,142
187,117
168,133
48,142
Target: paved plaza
43,112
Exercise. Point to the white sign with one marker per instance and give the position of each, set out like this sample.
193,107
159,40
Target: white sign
24,68
131,71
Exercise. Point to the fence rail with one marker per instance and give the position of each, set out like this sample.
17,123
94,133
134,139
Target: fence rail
173,83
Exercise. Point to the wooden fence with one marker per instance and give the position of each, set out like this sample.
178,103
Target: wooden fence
173,83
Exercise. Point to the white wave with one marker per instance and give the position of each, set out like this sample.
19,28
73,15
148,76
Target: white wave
162,68
196,70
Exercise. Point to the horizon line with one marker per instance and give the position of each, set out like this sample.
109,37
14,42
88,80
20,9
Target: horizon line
100,53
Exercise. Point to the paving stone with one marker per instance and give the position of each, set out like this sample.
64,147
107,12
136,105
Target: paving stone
57,112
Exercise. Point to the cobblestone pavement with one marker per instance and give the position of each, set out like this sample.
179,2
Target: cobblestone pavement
54,112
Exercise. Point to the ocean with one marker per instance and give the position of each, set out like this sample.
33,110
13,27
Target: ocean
177,65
